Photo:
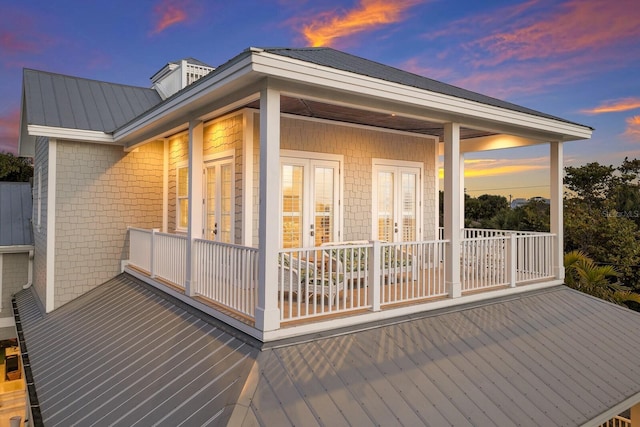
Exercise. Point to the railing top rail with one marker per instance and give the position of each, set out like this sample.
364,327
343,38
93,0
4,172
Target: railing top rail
416,242
141,230
174,236
227,245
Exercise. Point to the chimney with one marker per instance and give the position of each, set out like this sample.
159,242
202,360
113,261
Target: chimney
177,75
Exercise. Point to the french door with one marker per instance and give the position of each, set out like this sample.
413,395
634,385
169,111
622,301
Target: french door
219,206
309,201
396,202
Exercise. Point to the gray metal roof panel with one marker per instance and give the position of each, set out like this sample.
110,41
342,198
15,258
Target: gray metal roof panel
543,358
124,355
332,58
15,214
75,103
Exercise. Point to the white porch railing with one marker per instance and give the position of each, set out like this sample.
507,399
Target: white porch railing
492,258
226,274
343,277
159,254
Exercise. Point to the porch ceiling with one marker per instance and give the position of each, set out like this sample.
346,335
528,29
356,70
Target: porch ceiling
321,110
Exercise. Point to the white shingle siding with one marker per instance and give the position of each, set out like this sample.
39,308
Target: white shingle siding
101,191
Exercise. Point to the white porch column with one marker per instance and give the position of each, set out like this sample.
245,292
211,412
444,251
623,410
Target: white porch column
267,313
452,205
195,230
462,192
635,415
557,208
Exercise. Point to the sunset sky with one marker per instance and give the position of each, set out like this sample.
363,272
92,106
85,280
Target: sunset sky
577,59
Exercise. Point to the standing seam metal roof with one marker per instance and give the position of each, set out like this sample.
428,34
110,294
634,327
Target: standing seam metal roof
75,103
123,354
15,214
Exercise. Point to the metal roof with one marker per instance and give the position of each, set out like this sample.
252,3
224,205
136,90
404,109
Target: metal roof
555,357
339,60
126,355
123,355
15,214
57,100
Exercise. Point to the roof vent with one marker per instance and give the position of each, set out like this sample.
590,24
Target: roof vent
177,75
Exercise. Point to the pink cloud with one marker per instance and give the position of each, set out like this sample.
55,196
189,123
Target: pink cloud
633,128
575,26
327,28
615,106
9,125
169,13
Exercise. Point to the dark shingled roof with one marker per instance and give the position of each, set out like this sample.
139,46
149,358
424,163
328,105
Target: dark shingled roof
125,354
15,214
75,103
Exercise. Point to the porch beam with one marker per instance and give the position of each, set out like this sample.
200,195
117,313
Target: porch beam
195,229
556,167
453,182
267,314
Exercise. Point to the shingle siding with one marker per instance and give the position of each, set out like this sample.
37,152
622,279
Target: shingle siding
101,190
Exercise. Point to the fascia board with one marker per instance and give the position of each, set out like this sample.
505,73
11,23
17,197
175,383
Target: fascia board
186,98
71,134
292,69
16,249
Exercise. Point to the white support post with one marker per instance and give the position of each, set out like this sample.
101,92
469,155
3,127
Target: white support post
512,259
152,254
247,182
195,230
267,314
374,276
462,191
165,186
452,197
556,209
51,225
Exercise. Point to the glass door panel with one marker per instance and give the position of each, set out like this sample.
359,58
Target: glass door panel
324,203
226,203
219,209
385,206
211,223
408,212
310,200
292,205
397,200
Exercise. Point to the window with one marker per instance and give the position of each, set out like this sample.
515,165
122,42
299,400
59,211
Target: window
37,199
182,202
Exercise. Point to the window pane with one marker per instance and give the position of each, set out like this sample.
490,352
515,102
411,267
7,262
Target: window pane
385,206
409,207
183,182
184,213
225,203
292,185
324,208
211,203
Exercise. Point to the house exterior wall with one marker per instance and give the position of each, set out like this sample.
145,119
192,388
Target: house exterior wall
101,190
359,146
41,169
13,276
219,136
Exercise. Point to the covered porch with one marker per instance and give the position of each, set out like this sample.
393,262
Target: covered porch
312,232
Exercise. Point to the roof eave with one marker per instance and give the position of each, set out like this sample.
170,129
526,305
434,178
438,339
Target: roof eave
71,134
182,102
318,75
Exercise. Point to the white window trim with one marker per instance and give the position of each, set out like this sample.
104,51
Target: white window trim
181,165
38,199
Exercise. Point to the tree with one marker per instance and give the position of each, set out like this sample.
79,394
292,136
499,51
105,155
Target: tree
16,169
597,280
